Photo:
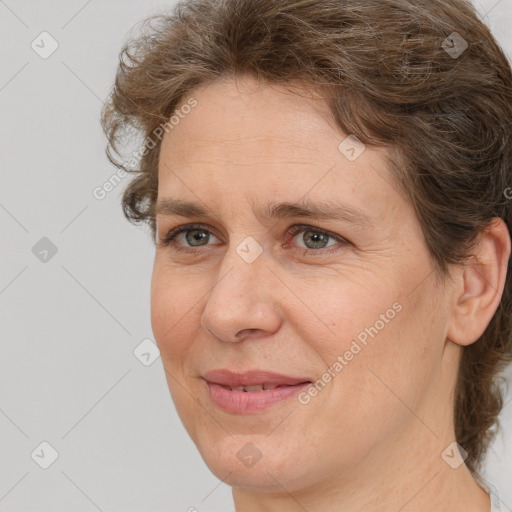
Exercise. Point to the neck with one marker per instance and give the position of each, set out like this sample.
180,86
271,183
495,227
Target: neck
407,482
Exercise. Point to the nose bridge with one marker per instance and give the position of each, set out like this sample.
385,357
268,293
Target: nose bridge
240,299
243,263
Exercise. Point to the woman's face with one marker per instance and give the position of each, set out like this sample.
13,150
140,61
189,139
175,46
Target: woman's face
263,286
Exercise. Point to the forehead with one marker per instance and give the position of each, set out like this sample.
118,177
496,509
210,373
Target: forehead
243,139
235,120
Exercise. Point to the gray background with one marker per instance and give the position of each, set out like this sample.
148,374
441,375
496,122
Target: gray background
70,323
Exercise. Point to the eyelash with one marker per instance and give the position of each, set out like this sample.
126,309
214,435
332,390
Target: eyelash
168,240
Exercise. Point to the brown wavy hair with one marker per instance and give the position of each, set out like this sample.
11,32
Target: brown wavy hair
387,78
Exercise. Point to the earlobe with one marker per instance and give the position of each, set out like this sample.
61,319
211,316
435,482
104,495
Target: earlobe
480,285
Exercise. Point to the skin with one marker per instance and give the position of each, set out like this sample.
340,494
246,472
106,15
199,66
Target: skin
372,438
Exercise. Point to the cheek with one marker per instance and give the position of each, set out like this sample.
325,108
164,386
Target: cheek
397,364
347,311
174,314
377,338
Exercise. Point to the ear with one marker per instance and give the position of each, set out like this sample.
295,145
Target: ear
480,284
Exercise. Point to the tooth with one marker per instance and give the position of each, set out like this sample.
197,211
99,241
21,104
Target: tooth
237,388
269,386
256,387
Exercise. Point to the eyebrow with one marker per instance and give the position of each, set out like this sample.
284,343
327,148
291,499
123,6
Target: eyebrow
322,210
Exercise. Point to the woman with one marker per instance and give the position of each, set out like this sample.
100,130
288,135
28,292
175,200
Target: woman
326,184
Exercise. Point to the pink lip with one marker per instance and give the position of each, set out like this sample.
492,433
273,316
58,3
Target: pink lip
251,377
246,402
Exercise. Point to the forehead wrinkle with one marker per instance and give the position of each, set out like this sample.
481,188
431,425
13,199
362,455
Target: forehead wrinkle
311,209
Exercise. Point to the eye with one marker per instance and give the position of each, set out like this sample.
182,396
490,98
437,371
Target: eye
189,236
309,239
313,239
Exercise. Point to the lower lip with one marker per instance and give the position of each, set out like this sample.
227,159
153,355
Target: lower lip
246,402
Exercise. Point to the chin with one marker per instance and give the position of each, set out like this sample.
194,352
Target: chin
256,462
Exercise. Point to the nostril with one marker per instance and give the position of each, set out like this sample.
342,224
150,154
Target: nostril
244,333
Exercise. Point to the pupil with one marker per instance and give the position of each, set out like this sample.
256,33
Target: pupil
197,236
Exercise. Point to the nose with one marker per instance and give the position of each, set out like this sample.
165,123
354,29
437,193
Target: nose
243,301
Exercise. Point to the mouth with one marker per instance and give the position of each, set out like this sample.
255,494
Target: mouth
256,387
252,391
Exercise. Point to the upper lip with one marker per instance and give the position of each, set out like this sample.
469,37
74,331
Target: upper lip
251,378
